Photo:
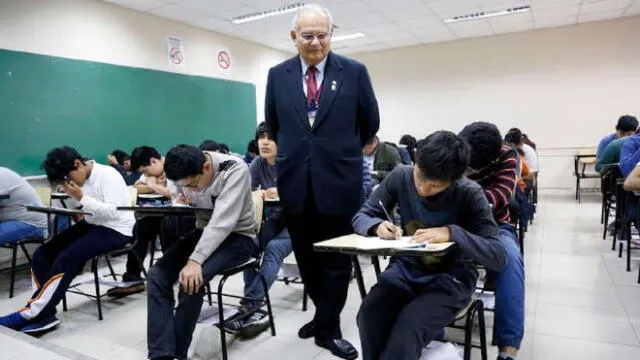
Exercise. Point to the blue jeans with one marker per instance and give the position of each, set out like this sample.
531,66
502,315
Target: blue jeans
14,230
509,313
275,251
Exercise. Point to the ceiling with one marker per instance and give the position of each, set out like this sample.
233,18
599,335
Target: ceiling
386,23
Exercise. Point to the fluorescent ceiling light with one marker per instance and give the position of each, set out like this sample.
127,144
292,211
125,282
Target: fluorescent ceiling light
347,36
266,14
488,14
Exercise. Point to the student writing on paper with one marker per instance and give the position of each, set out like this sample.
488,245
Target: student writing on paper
223,238
274,239
416,297
99,189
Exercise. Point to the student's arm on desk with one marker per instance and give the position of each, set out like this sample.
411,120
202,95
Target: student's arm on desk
371,215
226,213
632,182
107,209
478,235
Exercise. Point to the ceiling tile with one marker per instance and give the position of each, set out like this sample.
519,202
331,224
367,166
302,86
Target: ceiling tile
511,27
209,23
430,30
380,29
420,22
435,38
550,4
602,15
540,23
142,5
632,11
604,5
208,7
447,7
175,12
513,18
364,48
350,8
361,19
389,37
470,28
408,12
558,12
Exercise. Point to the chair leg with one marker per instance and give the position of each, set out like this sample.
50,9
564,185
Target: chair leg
25,252
605,220
268,301
94,268
359,278
468,331
208,290
483,331
64,302
305,297
629,247
14,255
494,331
223,337
113,273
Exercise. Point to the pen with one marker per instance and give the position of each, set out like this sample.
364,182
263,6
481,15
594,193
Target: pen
387,214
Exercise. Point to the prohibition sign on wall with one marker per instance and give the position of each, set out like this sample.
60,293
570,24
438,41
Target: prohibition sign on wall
176,56
224,60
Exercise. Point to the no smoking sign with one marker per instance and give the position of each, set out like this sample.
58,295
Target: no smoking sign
224,60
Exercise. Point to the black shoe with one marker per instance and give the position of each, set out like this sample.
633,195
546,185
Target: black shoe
308,330
340,348
120,292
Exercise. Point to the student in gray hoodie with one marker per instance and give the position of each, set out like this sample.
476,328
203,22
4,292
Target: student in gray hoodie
223,238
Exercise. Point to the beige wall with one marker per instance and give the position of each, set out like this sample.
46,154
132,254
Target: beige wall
103,32
565,87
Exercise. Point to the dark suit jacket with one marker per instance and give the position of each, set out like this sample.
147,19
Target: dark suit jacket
325,158
387,158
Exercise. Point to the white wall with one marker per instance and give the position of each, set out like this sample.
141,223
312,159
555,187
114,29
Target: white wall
565,87
103,32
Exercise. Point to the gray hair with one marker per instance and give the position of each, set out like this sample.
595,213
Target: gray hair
311,8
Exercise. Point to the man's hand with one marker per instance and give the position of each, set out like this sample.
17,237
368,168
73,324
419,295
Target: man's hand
112,160
191,277
388,231
271,193
433,235
73,190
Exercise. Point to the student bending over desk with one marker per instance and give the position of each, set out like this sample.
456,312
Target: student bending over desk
416,298
224,238
99,189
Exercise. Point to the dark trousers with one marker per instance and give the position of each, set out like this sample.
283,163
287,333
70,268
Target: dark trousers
396,323
147,229
325,275
58,261
169,333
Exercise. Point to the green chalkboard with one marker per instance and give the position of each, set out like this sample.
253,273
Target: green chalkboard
48,101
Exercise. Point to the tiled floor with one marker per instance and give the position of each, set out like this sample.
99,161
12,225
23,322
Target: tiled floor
580,303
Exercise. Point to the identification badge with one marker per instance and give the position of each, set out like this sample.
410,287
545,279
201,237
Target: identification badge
312,116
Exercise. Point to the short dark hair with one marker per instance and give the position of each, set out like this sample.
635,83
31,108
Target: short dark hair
142,155
443,156
224,148
262,130
372,140
209,145
59,162
253,147
408,141
627,123
183,161
485,141
514,136
120,156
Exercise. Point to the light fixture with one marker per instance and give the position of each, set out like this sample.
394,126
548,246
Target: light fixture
266,14
488,14
344,37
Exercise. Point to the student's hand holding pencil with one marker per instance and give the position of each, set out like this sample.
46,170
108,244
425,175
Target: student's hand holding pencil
387,231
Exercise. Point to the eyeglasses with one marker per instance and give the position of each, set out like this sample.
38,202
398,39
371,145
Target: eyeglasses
308,37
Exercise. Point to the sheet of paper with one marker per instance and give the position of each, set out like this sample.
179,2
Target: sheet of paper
404,242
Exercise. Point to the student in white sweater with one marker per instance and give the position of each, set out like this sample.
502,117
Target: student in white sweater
99,189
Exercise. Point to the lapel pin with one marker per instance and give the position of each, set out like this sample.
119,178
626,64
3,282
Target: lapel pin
334,85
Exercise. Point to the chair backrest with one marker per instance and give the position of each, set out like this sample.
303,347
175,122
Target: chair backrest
258,204
44,193
133,192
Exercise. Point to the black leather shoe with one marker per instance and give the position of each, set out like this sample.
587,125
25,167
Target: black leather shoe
340,348
307,330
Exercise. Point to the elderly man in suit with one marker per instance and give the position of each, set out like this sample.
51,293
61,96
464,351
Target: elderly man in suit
321,110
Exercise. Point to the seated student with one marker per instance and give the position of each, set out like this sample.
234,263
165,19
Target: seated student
630,152
416,298
224,148
611,154
381,157
252,151
209,145
274,239
409,142
121,161
99,189
627,126
16,223
150,163
222,239
516,138
493,166
528,141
